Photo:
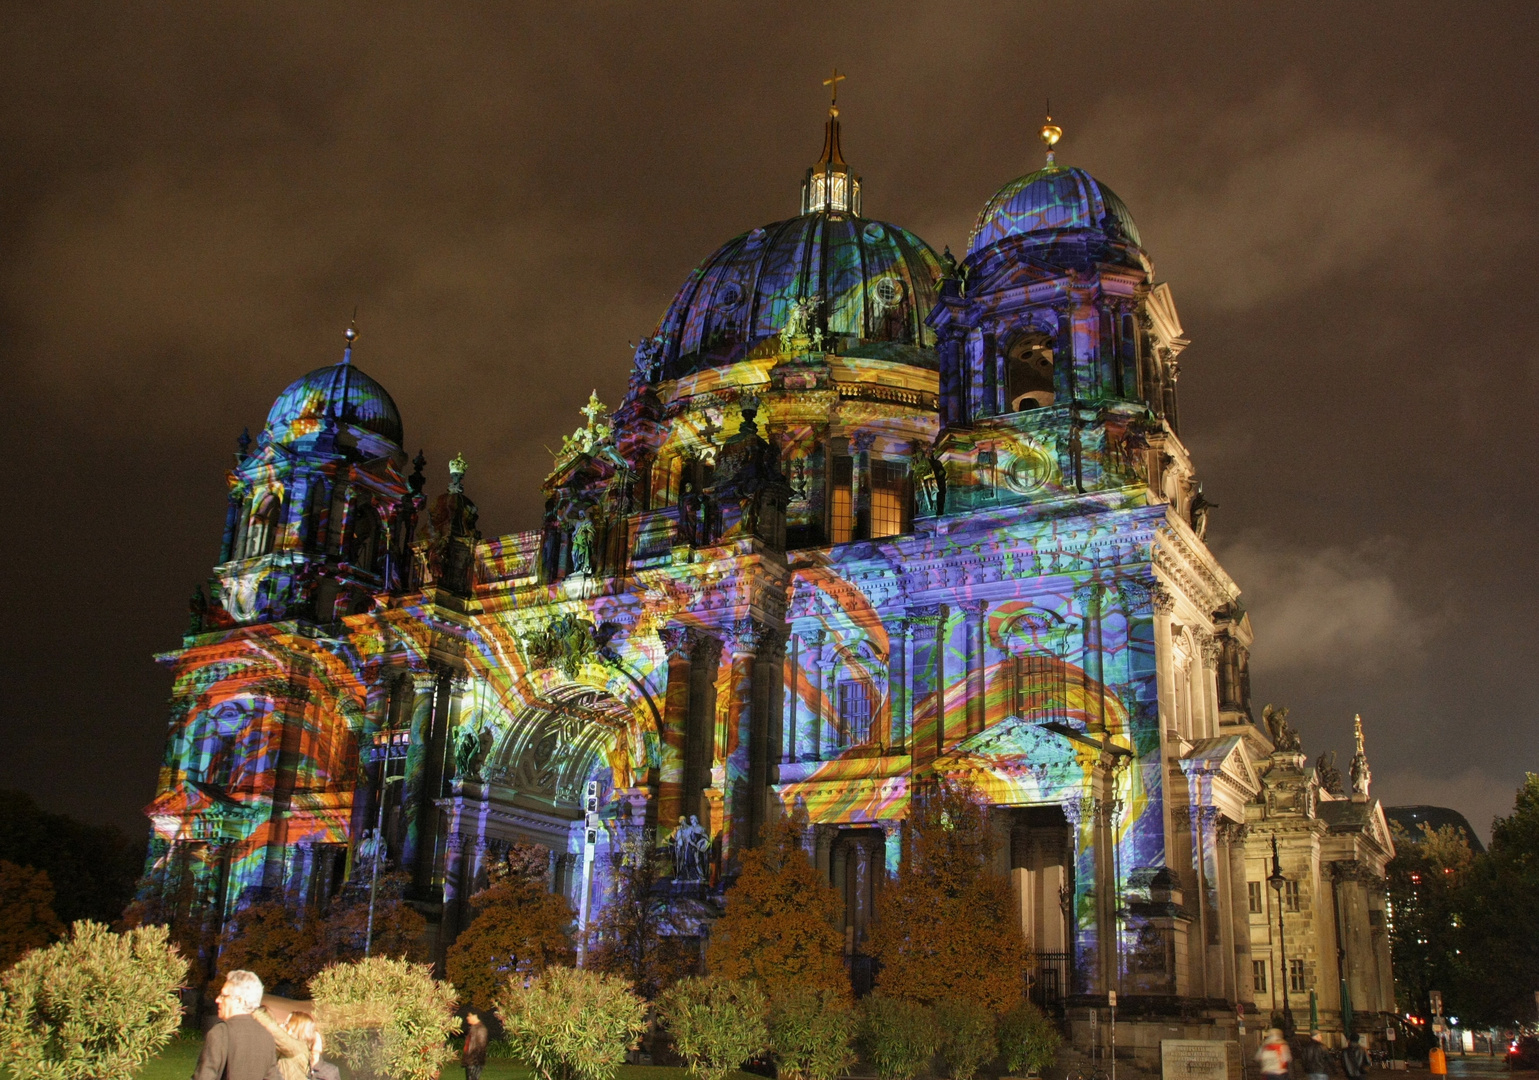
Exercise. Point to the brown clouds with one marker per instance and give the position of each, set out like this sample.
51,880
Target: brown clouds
194,197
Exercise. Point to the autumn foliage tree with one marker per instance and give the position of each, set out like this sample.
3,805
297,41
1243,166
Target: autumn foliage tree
778,929
947,928
27,919
520,926
637,934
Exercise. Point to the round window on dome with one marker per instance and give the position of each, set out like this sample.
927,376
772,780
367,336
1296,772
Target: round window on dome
889,292
874,231
729,297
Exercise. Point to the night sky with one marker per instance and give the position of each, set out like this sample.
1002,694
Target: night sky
194,197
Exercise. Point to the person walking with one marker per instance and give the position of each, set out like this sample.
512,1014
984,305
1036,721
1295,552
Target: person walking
293,1051
238,1047
473,1054
1274,1057
1355,1061
1315,1062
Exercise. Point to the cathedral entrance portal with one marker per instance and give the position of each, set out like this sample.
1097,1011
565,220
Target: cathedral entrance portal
1042,871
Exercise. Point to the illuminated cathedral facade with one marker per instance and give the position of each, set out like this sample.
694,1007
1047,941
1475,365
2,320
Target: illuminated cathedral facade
867,517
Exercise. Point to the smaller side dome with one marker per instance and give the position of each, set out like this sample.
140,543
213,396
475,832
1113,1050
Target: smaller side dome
1051,201
340,393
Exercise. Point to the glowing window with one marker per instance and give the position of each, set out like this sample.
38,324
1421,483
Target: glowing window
841,510
1041,687
854,712
889,498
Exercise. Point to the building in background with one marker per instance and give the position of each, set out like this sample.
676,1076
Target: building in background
867,516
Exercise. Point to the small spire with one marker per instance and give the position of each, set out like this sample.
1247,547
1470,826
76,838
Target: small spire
351,334
830,186
457,473
1050,133
832,154
1361,776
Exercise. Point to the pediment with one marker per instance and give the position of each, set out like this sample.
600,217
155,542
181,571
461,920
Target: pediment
1223,758
1017,761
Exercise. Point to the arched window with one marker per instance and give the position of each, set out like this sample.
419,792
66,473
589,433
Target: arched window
262,534
858,697
366,547
1029,373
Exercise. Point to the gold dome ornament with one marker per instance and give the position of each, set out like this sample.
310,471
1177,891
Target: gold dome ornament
1050,135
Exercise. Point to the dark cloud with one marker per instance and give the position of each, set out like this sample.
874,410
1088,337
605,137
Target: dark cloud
194,197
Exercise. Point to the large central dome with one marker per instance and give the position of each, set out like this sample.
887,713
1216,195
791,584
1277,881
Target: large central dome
874,282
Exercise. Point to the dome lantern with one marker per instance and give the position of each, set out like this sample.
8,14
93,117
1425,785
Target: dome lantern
830,186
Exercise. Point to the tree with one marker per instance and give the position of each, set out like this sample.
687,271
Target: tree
519,927
398,927
1028,1041
274,941
948,927
387,1016
570,1024
92,867
1499,918
900,1036
1425,881
96,1004
716,1024
27,920
636,935
779,924
967,1040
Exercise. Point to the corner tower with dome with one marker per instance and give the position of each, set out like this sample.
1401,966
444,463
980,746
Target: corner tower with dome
866,518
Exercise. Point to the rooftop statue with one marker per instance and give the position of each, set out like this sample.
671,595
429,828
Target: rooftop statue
1284,737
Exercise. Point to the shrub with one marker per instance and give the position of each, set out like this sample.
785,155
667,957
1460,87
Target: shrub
966,1037
716,1024
398,928
949,927
779,924
812,1032
93,1005
387,1016
27,920
520,927
1027,1040
569,1024
900,1036
637,934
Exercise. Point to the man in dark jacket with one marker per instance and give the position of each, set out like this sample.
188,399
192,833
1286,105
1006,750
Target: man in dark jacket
238,1048
474,1052
1355,1061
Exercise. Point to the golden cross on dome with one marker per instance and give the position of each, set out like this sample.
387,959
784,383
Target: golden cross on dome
594,409
833,83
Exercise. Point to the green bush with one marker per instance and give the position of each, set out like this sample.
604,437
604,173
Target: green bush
96,1004
716,1024
570,1024
900,1036
812,1033
967,1039
386,1017
1027,1040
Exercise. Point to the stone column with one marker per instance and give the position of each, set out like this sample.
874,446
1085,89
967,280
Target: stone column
287,724
898,646
828,708
1088,597
700,746
1212,652
927,676
671,751
860,483
810,712
976,714
744,750
790,723
1232,835
430,823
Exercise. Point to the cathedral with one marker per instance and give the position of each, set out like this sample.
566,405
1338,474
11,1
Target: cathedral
867,517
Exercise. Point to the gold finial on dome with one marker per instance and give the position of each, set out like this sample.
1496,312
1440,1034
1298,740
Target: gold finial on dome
350,335
1050,134
833,92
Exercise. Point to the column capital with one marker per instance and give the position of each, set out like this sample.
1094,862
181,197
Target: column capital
750,636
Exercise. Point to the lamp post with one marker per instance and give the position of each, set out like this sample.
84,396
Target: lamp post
1277,881
384,744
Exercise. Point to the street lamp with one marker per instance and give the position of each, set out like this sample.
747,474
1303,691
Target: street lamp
384,744
1277,881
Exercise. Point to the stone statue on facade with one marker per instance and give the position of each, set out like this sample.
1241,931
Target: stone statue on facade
690,845
1327,773
582,546
466,749
1284,737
